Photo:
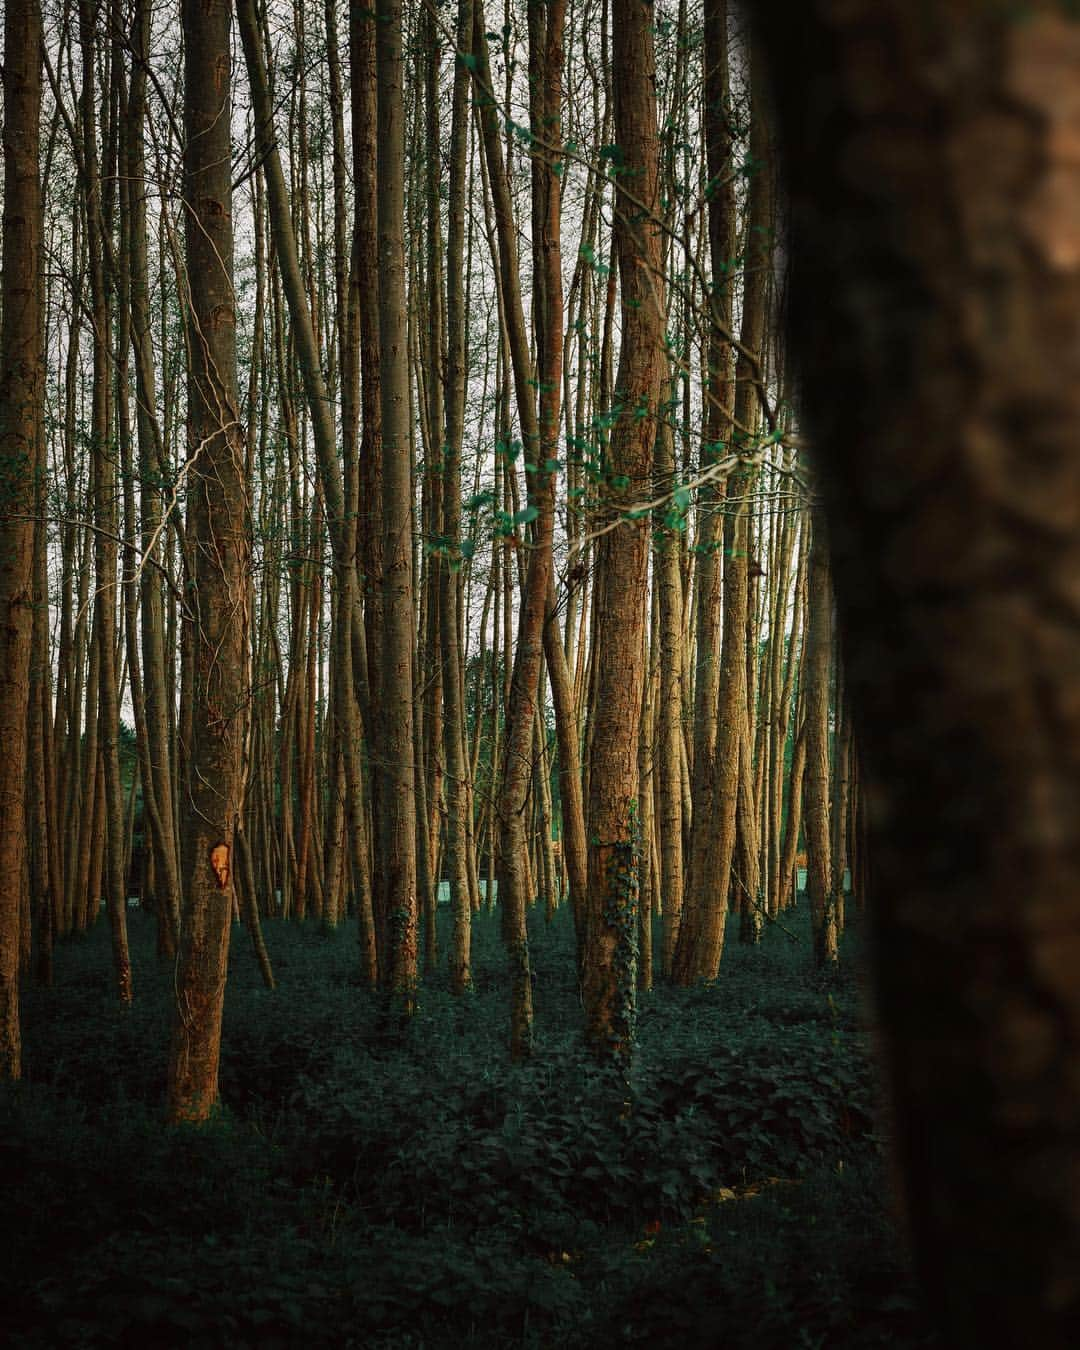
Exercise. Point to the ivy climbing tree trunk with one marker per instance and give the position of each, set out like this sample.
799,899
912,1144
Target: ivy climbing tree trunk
935,301
218,529
609,973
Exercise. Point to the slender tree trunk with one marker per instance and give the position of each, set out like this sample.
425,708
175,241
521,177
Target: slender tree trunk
163,832
364,282
669,712
105,513
703,909
457,769
514,884
816,672
395,872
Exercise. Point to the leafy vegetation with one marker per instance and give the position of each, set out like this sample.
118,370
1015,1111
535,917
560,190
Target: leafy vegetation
373,1190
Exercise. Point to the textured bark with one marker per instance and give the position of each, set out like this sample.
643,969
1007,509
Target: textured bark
646,803
453,685
21,392
936,239
513,882
42,822
669,713
395,871
609,974
218,530
816,795
105,513
705,881
364,286
571,803
157,779
777,888
717,768
737,700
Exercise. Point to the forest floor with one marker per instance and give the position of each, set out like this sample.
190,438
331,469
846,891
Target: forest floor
360,1189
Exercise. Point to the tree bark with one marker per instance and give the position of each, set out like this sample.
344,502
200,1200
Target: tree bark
21,393
610,973
816,796
395,873
218,532
936,289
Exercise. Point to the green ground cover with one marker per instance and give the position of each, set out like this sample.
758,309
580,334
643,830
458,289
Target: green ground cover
362,1189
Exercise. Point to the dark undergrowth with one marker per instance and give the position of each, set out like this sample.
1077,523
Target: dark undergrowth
363,1189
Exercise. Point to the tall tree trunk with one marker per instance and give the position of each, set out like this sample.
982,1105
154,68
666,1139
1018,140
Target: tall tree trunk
609,977
514,886
669,711
219,540
816,673
456,374
105,513
163,832
698,941
395,871
364,287
21,393
935,304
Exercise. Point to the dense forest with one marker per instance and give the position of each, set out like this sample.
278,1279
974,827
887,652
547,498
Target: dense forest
439,822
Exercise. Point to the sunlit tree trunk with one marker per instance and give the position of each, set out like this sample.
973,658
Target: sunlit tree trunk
610,974
669,710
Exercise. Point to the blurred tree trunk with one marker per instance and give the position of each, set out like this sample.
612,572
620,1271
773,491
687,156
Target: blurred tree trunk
935,301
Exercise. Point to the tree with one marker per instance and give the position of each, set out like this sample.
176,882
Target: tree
816,803
219,544
21,395
936,289
609,969
395,874
696,938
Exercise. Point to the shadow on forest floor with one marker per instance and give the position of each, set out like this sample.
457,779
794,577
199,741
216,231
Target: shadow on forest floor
358,1192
